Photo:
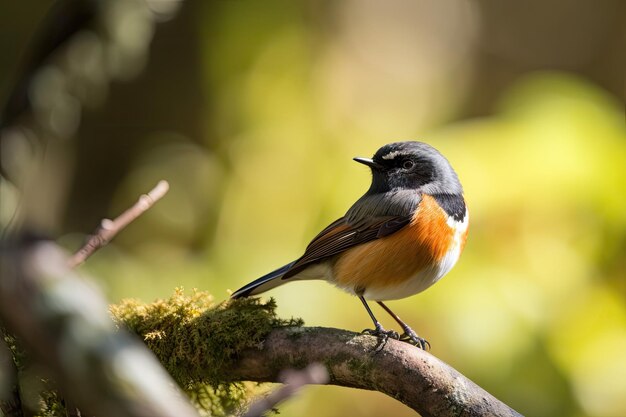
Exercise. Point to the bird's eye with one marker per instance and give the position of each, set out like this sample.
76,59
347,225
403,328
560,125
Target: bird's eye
408,164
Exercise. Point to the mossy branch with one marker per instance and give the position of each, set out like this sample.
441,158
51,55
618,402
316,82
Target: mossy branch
243,340
196,339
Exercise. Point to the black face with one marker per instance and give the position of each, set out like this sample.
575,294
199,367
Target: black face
403,170
404,165
412,166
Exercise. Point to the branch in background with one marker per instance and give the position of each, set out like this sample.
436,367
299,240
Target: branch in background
109,228
411,375
294,380
63,322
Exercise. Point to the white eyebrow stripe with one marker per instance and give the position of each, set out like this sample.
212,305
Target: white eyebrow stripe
392,155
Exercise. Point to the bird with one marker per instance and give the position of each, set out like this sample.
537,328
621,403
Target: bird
401,237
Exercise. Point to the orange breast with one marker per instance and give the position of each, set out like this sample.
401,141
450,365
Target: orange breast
396,258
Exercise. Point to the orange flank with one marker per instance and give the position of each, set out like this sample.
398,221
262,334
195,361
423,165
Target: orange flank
394,259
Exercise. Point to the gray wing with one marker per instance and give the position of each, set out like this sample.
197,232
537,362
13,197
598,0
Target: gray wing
370,218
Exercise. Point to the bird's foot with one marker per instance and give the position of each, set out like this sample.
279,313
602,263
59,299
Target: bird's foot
409,336
380,332
382,335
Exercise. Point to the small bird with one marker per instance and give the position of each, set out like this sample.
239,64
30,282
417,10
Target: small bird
403,235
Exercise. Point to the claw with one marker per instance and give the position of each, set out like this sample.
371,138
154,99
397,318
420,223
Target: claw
409,336
382,335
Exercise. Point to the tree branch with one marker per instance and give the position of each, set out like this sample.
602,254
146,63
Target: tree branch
63,322
109,228
243,340
411,375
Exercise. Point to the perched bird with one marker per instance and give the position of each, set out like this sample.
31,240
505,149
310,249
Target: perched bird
404,234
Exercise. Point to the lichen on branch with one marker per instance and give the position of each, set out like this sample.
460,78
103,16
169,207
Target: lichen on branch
197,339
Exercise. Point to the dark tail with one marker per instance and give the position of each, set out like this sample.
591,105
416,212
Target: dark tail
266,282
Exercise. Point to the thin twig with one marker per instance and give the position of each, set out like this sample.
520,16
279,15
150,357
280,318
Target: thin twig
294,380
109,228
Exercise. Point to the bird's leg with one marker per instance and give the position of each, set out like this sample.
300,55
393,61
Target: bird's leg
378,330
409,335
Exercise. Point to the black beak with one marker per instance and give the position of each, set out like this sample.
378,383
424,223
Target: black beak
369,162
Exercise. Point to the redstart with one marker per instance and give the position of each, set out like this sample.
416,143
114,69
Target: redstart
403,235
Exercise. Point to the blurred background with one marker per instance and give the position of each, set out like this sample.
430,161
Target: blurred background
253,110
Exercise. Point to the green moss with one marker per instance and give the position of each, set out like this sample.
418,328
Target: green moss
11,342
51,404
196,340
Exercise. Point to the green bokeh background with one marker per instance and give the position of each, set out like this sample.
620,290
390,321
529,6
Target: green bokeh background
253,110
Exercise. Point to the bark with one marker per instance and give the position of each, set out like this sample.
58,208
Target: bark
402,371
